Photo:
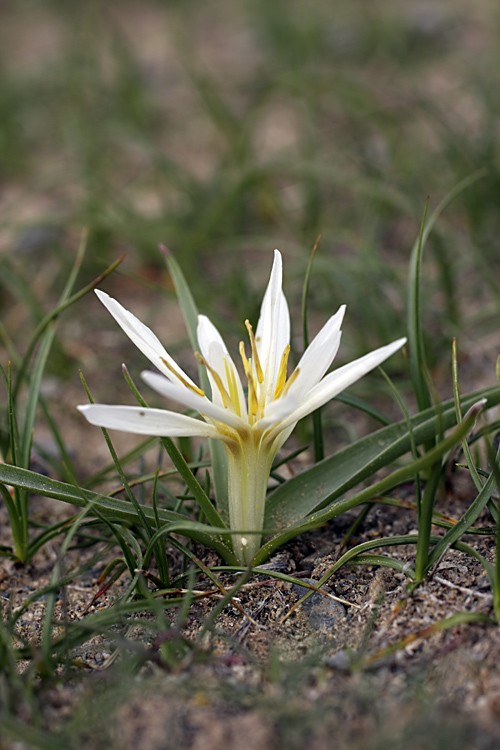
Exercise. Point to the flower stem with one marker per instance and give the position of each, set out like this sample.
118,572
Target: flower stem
249,464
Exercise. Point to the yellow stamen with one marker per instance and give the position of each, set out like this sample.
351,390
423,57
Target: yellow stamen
281,379
252,398
256,360
183,380
246,363
289,382
233,390
252,386
220,385
227,434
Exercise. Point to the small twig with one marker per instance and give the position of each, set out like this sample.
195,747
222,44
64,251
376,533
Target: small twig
241,631
462,589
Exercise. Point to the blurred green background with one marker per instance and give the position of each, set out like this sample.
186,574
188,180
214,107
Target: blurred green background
225,129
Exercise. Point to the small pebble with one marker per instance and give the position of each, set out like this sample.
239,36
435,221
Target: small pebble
322,612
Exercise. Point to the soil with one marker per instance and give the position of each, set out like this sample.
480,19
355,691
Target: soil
365,668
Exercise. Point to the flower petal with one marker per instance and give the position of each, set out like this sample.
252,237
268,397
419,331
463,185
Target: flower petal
338,380
215,352
318,356
190,399
279,410
143,421
143,337
273,329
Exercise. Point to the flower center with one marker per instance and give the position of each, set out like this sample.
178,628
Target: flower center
256,380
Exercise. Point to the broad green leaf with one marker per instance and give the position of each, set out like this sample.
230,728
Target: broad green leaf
338,506
329,479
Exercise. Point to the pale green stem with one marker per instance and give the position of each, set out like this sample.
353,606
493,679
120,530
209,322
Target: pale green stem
249,465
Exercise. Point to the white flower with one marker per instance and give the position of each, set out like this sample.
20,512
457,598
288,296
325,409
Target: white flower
253,427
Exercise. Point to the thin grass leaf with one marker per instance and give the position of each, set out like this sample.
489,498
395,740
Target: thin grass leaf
465,445
415,335
319,445
469,517
120,471
384,562
413,445
47,334
128,458
16,506
363,406
160,552
425,521
190,314
65,302
459,618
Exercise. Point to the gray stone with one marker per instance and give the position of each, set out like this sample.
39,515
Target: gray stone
322,612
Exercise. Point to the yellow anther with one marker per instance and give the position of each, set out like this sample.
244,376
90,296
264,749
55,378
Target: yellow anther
183,380
289,382
281,379
246,363
218,381
256,360
233,390
253,403
252,386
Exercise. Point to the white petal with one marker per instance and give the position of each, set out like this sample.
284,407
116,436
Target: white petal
338,380
279,410
143,337
190,399
215,352
207,334
142,421
318,356
273,329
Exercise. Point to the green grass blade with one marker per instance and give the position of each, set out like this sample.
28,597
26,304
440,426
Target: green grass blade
160,553
129,457
65,301
415,336
190,313
418,367
319,445
16,505
425,521
47,331
366,408
458,410
470,516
